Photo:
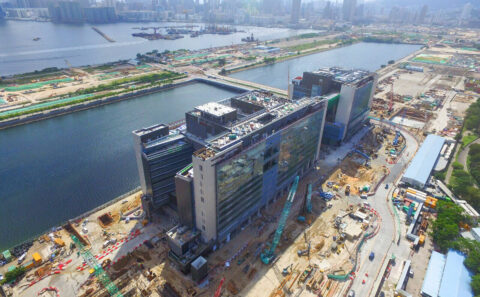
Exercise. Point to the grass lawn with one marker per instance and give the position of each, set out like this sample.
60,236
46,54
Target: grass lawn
467,139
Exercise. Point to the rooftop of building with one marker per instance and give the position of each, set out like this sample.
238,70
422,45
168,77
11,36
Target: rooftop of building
433,276
148,130
181,234
344,75
422,164
270,108
274,108
456,278
215,109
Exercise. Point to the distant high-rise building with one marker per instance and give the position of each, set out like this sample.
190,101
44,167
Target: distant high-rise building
349,7
100,14
70,12
360,11
110,3
423,14
22,3
2,13
296,5
466,12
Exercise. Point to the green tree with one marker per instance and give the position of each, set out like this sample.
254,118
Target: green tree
445,227
13,275
476,284
222,62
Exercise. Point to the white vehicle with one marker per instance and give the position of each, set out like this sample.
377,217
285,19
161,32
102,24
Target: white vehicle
21,258
106,243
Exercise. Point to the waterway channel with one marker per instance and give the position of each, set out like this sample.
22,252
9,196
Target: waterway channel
56,169
368,56
59,168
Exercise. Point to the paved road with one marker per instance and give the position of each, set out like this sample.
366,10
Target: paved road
384,243
462,157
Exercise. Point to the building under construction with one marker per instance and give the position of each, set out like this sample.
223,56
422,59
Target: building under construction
247,151
229,161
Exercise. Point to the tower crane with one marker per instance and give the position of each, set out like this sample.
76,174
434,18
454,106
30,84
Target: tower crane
269,254
99,272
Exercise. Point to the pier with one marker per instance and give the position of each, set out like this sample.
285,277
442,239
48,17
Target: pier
103,34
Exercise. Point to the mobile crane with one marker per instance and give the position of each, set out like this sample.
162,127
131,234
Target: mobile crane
269,254
99,272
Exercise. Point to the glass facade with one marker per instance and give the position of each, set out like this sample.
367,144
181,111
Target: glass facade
360,101
162,165
239,185
247,181
298,146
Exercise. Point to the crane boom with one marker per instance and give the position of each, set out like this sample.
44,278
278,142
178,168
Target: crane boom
219,289
99,272
269,254
309,199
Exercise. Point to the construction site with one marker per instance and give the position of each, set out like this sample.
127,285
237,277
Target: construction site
308,242
312,249
425,97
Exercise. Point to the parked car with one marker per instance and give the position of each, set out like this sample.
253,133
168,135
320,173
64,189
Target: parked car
351,293
372,256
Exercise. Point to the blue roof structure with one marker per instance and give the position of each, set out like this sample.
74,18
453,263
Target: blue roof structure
418,172
456,278
433,277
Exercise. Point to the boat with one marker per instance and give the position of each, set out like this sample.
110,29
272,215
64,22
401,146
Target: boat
36,39
249,39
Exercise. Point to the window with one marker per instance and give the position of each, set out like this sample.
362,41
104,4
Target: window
200,167
203,227
202,199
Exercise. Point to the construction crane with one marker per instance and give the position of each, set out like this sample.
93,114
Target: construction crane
307,205
99,272
269,254
308,202
219,289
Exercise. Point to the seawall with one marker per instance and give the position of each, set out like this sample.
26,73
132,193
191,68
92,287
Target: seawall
104,101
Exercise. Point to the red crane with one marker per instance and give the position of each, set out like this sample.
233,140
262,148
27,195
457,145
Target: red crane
219,289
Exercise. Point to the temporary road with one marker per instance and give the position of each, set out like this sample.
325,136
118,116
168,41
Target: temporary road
384,244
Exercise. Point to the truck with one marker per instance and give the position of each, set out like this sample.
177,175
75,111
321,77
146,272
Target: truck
421,239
